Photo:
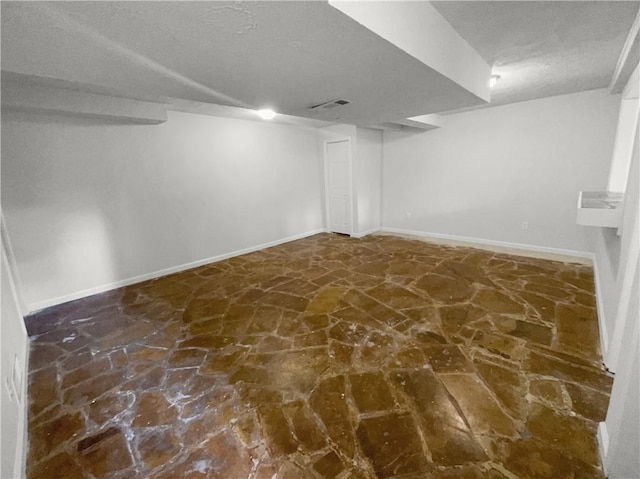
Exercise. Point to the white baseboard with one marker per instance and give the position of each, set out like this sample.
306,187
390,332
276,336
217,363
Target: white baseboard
22,441
603,443
366,233
602,323
33,307
513,248
530,250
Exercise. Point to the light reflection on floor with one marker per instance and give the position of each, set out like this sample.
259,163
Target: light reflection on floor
327,357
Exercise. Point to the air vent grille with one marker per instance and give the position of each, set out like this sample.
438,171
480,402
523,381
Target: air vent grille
329,105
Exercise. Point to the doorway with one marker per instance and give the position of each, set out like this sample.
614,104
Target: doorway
337,161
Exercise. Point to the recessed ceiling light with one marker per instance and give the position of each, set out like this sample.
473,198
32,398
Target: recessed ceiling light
266,114
494,79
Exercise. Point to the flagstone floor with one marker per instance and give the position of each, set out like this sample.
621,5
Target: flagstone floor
327,357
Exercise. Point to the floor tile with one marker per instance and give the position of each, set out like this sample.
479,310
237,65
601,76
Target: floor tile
328,358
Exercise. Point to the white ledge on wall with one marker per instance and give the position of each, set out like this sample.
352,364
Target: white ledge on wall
422,122
40,99
600,208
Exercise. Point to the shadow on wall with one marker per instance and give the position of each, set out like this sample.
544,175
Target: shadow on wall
612,245
74,119
73,224
90,204
81,234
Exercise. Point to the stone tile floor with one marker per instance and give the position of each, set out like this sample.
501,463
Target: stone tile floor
328,357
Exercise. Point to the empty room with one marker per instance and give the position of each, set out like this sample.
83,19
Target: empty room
320,240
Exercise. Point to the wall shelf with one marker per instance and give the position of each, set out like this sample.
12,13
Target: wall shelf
600,208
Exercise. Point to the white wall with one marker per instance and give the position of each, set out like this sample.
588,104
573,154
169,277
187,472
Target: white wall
619,434
613,254
623,150
618,272
89,204
14,344
486,171
616,251
627,125
367,170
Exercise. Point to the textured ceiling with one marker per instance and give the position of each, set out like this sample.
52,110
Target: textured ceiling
292,55
287,55
544,48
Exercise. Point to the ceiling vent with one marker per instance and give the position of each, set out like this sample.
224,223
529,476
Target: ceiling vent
329,105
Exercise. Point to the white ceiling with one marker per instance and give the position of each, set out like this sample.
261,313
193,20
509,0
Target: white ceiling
292,55
286,55
545,48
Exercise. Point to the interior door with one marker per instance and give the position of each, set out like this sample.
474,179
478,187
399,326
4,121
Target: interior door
338,185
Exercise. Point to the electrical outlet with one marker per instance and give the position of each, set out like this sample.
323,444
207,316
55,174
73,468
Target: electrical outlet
524,225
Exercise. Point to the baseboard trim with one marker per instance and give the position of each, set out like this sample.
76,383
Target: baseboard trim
603,443
514,248
37,306
530,250
602,323
22,441
366,233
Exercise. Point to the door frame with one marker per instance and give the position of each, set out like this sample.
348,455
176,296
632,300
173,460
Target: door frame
338,139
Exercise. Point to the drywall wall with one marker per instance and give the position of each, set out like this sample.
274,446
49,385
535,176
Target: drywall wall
89,204
623,460
486,171
15,347
615,253
367,170
619,435
623,149
617,262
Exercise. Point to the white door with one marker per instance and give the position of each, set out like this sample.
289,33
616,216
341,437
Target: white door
338,185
